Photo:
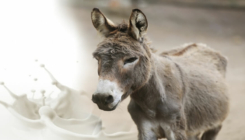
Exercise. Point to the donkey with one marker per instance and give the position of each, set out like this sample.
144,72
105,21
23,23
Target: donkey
180,94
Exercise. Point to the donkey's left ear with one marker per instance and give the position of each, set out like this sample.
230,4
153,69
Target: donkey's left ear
137,24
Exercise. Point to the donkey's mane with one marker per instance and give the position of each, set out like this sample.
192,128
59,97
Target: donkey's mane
123,27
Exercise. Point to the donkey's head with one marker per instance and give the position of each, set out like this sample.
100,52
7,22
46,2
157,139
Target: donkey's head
123,58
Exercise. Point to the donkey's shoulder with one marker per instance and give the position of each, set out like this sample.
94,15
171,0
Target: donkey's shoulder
200,53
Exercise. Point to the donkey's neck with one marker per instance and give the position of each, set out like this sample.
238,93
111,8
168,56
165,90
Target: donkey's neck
154,89
163,75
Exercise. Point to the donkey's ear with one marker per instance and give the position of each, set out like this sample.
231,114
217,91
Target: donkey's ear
101,23
137,24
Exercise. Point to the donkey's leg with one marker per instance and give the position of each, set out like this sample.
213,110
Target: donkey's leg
211,133
195,137
175,127
175,134
145,131
144,125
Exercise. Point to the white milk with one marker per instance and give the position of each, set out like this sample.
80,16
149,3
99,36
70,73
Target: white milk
67,117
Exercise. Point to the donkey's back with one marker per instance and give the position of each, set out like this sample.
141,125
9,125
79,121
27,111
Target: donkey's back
201,55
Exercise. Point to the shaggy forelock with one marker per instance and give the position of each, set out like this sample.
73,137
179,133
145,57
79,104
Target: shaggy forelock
119,43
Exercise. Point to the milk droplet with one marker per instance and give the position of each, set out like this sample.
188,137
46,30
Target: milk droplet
54,83
42,65
43,91
47,111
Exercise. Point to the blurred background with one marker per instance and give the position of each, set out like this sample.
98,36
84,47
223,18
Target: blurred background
60,35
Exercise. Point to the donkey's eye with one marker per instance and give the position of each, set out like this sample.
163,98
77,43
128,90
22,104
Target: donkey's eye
130,60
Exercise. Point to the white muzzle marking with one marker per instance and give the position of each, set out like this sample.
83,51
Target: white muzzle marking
111,88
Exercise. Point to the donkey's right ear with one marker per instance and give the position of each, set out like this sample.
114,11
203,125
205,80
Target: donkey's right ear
101,23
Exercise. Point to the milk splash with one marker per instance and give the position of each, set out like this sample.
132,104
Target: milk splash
67,117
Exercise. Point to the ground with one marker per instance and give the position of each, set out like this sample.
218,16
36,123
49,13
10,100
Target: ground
169,27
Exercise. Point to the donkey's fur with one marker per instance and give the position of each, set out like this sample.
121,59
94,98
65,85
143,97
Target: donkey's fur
180,94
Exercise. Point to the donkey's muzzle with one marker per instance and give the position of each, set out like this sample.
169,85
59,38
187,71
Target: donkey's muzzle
103,101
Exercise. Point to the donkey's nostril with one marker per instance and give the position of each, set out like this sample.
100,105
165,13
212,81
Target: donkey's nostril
109,99
94,99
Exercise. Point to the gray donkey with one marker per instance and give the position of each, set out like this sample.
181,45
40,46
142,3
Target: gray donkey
180,94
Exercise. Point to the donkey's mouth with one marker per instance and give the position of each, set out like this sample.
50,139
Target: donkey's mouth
107,108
